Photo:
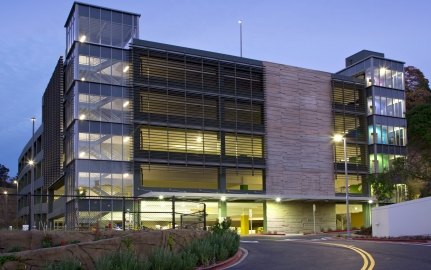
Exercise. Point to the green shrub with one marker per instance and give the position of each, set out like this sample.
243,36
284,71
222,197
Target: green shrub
124,259
66,264
4,259
365,231
15,249
204,250
46,241
127,242
162,259
220,227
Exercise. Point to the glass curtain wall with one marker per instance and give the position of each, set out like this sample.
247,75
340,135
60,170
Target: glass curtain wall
387,135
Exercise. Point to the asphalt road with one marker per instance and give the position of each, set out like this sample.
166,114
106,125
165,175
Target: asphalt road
323,252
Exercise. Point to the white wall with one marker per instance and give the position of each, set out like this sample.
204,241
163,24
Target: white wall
402,219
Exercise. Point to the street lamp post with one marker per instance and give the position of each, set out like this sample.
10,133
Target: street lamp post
30,212
17,184
6,214
369,210
240,37
16,196
339,138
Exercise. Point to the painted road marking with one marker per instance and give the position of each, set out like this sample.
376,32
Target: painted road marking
306,240
369,262
246,241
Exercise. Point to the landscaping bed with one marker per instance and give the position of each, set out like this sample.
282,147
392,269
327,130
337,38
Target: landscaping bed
154,249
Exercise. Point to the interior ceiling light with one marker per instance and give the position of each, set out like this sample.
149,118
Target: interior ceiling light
31,162
199,139
223,198
83,79
125,104
82,38
82,117
161,197
125,69
278,199
126,139
125,175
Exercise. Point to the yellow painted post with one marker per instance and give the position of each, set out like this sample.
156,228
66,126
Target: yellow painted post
244,224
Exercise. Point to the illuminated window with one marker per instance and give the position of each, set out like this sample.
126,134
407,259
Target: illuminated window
180,140
187,177
241,145
355,183
244,179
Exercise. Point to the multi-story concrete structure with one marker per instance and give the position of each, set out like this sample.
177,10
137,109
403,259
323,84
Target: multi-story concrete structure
251,139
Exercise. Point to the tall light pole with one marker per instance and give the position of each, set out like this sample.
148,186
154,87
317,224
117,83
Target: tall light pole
17,184
32,164
240,37
370,209
6,214
16,195
339,138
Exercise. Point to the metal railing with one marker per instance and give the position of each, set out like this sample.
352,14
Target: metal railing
89,212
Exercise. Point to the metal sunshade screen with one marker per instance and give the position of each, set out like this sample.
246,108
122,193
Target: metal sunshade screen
52,118
349,118
204,100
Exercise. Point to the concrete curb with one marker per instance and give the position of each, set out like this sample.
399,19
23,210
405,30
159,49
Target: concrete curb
235,259
391,240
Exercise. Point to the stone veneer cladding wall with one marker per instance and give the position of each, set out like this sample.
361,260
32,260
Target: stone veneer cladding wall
299,157
297,217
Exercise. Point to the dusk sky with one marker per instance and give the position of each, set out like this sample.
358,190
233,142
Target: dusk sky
311,34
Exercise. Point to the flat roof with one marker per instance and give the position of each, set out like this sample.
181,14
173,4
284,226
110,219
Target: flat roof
372,56
190,51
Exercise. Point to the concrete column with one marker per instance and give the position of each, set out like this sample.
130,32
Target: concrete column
222,210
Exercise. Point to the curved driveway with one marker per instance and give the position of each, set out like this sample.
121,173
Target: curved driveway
320,252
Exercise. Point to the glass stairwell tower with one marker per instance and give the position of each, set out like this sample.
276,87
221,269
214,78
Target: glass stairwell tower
97,113
386,123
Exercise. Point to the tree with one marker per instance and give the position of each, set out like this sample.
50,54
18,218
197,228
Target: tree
417,88
419,131
414,79
382,185
4,176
